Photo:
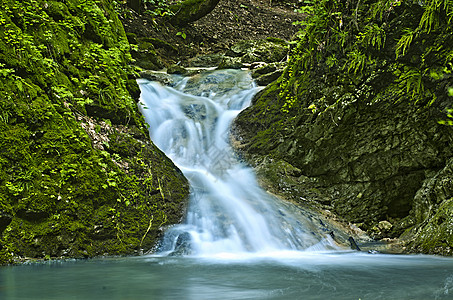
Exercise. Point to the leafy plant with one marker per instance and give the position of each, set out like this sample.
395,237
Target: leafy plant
157,8
449,121
405,41
182,34
354,36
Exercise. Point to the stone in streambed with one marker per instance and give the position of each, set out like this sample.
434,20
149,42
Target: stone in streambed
183,245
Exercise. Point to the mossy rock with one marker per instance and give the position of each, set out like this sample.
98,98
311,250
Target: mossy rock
158,43
435,236
268,51
369,152
231,63
79,175
429,222
177,69
190,10
210,60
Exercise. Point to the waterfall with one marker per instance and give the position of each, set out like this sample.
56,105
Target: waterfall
228,212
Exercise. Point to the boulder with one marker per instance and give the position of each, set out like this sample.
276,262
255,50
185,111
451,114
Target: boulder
267,50
161,77
183,245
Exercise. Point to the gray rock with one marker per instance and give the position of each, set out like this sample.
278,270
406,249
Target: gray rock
231,63
163,78
268,78
183,245
206,61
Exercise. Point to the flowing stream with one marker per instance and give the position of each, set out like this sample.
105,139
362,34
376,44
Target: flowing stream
237,241
228,214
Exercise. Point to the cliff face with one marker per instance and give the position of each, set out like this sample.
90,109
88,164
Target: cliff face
353,124
79,176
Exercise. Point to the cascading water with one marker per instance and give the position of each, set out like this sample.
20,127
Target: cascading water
228,212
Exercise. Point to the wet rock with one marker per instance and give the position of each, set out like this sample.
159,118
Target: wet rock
373,251
231,63
209,82
5,219
265,79
246,53
177,69
210,60
267,50
161,77
195,111
353,244
183,245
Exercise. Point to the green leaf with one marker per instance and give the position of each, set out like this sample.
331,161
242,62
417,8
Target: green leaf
182,34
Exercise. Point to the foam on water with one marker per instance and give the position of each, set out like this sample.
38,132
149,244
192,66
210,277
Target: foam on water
229,214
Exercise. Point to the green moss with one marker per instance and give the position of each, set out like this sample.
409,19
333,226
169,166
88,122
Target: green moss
436,236
188,11
72,185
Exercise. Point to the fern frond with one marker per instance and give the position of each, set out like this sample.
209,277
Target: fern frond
412,80
448,7
429,19
357,61
405,41
372,35
380,7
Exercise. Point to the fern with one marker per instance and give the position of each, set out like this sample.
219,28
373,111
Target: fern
332,61
373,35
378,9
448,7
405,41
429,17
357,61
412,81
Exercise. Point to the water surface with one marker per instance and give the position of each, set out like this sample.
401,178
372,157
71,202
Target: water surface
336,275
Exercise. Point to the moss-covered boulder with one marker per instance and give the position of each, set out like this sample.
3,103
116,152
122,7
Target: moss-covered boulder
270,50
79,176
264,73
187,11
432,213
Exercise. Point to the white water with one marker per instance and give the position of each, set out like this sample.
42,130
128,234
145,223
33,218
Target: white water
228,212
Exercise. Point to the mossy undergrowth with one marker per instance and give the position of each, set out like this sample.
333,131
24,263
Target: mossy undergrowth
79,176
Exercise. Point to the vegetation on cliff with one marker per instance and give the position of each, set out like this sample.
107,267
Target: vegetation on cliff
79,176
355,123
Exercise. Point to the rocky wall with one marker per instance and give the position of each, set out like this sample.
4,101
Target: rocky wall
366,144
